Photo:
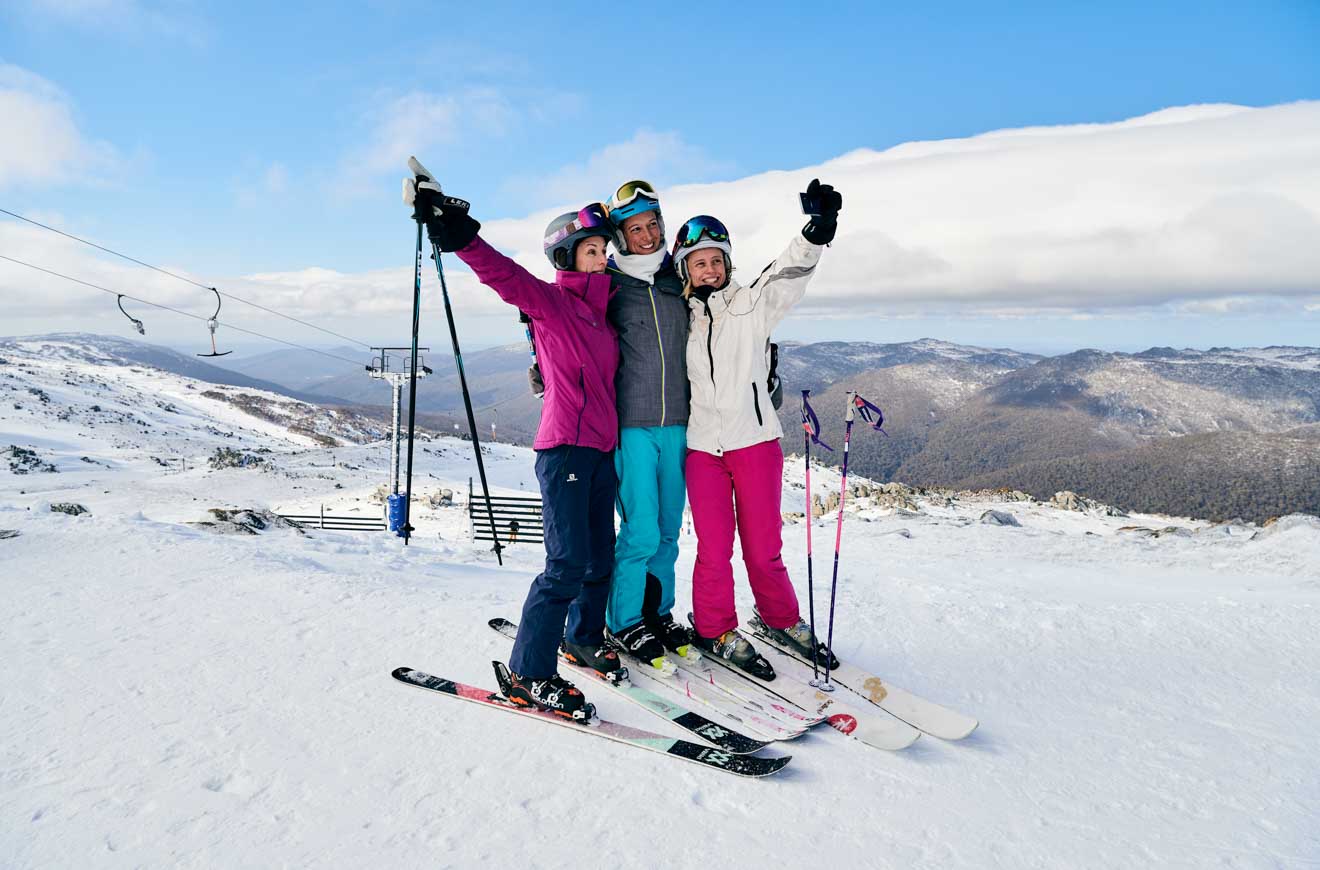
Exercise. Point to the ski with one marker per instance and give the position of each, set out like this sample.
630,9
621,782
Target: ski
712,732
757,722
753,698
877,728
916,711
720,759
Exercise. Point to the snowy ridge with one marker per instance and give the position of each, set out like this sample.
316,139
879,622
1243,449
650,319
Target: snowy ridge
179,698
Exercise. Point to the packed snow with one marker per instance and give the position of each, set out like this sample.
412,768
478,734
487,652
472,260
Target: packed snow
175,697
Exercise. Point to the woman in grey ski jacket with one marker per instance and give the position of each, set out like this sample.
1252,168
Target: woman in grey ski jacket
650,315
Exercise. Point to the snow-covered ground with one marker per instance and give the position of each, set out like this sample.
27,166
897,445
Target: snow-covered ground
177,698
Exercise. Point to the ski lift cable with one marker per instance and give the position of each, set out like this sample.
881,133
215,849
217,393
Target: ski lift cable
354,363
182,278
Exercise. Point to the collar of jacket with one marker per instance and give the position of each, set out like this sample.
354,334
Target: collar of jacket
665,280
719,301
584,284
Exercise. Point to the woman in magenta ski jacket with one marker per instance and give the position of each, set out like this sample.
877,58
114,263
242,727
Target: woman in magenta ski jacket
578,354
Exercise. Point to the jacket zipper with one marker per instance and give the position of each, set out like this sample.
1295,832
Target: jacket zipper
710,355
756,401
655,315
582,387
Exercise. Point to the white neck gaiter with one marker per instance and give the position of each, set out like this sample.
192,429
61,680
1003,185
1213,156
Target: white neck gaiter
640,266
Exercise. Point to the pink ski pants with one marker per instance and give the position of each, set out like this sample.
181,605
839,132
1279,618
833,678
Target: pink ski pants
739,489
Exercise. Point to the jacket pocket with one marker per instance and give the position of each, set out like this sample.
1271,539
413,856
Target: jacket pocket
756,403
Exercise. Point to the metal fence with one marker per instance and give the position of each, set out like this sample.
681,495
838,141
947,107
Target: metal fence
324,520
517,518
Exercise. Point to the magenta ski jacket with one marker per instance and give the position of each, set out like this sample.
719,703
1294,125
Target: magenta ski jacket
576,347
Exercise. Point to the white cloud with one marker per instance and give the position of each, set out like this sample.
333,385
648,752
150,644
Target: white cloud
648,154
1191,203
1192,212
368,304
42,144
172,18
263,187
417,123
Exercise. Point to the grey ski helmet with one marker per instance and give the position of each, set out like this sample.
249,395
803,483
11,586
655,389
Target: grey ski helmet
564,232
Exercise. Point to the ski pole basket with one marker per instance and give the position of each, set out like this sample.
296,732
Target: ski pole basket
517,518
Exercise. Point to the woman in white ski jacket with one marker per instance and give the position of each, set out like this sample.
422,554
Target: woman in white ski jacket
734,466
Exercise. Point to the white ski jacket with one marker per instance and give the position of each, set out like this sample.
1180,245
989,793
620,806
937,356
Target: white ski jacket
728,353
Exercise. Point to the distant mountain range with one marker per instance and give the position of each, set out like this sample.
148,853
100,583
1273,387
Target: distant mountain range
1218,433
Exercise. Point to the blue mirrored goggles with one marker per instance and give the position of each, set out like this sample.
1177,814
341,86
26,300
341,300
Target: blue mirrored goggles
701,225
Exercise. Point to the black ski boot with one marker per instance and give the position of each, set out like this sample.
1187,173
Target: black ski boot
601,659
800,639
675,637
734,648
639,642
553,693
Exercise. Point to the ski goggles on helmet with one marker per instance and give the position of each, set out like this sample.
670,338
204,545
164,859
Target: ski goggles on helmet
631,199
630,190
702,225
588,218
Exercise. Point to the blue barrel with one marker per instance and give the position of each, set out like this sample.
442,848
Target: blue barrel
397,503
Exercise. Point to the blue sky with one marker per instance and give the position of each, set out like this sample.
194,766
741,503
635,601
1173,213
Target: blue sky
242,138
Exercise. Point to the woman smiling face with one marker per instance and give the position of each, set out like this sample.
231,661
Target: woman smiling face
706,268
642,233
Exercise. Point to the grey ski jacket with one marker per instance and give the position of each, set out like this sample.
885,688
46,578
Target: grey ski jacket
652,320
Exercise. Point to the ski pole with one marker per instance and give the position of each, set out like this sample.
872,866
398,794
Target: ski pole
467,399
420,175
871,414
838,539
407,528
811,592
810,433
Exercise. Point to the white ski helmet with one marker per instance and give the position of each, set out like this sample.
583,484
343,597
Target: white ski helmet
702,231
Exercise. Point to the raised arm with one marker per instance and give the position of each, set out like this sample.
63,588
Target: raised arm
783,283
512,282
454,230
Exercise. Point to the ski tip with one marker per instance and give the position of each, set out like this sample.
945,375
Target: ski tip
400,673
967,733
499,622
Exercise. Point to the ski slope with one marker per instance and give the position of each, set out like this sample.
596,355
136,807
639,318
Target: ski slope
174,697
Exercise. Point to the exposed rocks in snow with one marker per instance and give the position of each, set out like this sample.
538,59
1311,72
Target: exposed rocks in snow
227,457
999,518
73,509
245,521
1071,501
1167,531
24,461
1287,523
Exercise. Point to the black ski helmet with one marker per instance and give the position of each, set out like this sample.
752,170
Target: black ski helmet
564,232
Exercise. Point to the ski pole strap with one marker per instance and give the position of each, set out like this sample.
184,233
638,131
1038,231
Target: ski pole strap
811,423
870,413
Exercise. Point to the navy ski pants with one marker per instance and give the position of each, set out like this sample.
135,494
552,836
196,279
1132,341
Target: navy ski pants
578,487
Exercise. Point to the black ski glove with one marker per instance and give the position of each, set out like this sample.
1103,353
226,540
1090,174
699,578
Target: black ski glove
448,223
455,228
825,221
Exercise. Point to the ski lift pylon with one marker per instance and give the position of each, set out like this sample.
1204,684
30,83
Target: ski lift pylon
137,324
212,323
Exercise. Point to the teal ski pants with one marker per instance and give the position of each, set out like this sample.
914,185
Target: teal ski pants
649,465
